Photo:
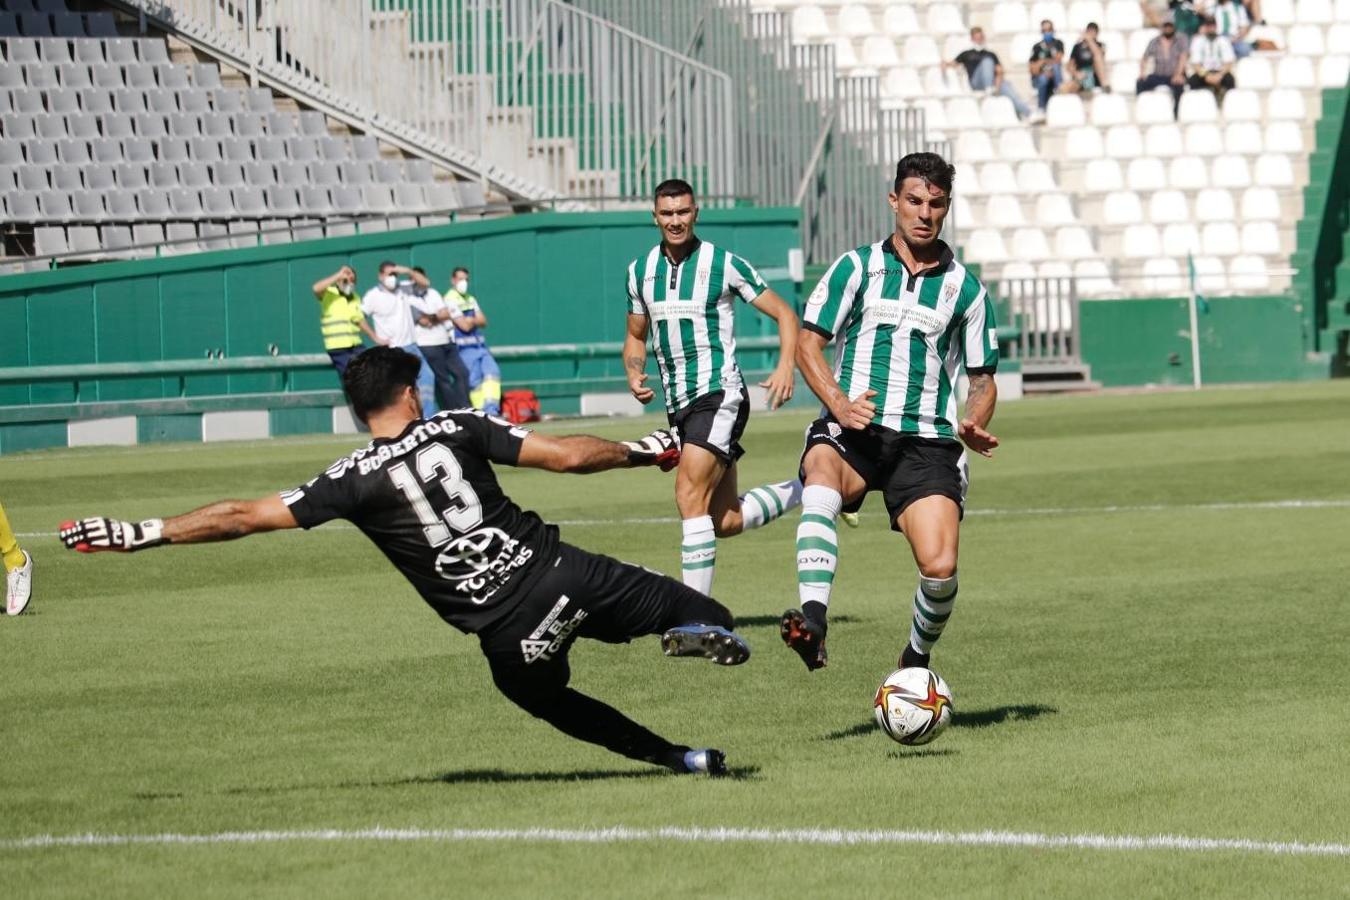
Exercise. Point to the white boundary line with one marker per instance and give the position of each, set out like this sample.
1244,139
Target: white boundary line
1029,511
621,835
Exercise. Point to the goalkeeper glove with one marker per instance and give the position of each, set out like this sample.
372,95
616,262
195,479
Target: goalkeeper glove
656,449
96,534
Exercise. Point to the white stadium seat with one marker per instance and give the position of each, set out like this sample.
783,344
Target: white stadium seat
1278,12
1123,15
1141,242
921,50
844,55
1242,105
985,245
1261,203
1267,32
1030,243
1064,111
1180,239
1307,40
1109,109
1295,72
1017,144
997,176
1338,35
1123,75
1203,139
1081,12
878,51
1017,270
1284,137
1053,210
969,181
1253,73
1154,107
1242,137
998,112
1124,142
1214,205
1103,175
902,82
855,20
963,212
899,20
1230,172
1285,103
809,22
1054,268
1163,277
1074,242
1048,9
1315,12
1163,140
1084,142
1261,238
1220,239
1187,173
963,113
1035,177
974,146
1139,42
935,113
1004,210
1248,273
1009,18
1343,10
1333,70
1273,170
1197,106
1094,278
1145,174
1122,208
1167,207
1209,275
945,18
939,82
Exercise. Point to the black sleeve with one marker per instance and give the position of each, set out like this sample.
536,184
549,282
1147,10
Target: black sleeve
494,438
327,497
964,57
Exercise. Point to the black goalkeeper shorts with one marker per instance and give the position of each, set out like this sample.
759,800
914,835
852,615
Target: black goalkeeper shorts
903,467
591,596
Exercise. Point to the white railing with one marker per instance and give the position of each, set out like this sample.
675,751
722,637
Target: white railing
535,97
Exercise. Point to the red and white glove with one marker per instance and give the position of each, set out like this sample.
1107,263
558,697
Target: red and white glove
656,449
100,534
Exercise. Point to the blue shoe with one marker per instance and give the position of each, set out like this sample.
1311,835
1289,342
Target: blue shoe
726,648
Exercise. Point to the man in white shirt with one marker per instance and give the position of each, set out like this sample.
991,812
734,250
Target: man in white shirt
392,314
433,338
1212,60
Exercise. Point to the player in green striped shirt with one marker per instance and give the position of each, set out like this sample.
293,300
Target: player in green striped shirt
683,293
906,317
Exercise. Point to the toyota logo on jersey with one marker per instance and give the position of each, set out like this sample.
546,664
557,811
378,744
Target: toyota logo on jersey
480,562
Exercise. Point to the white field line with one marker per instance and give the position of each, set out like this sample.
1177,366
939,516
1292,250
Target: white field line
622,835
1028,511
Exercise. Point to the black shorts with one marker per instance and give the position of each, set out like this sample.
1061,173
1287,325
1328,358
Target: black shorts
715,422
903,467
591,596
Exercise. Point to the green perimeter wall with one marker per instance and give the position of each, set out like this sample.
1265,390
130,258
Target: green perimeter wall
1147,341
542,278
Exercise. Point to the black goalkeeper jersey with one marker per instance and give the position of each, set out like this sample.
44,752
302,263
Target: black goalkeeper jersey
430,501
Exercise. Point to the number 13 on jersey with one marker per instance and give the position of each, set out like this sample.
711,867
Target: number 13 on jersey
461,511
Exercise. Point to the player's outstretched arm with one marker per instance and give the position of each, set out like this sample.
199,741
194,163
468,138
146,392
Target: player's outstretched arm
781,382
580,453
221,521
980,400
811,360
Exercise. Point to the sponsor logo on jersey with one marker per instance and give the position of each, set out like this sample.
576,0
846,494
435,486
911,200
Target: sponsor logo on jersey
551,633
482,562
678,309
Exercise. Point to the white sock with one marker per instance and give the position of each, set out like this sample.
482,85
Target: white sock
698,553
761,505
933,603
817,545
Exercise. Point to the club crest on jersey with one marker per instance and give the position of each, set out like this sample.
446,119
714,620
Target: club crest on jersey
948,292
834,428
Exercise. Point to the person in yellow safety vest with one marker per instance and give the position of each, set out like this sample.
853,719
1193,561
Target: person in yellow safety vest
340,317
485,378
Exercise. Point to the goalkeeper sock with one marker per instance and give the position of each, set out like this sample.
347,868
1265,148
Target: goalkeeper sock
761,505
9,547
698,553
933,603
817,549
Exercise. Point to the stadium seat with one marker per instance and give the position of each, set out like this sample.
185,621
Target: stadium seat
49,240
1243,137
1083,142
1073,242
1209,275
1094,278
323,173
1333,70
163,174
1155,107
83,239
1162,276
1214,205
1285,103
227,174
1197,106
998,112
899,20
1017,270
902,82
365,147
1122,208
1108,110
217,203
1035,177
1273,170
292,172
1009,18
1145,174
1254,73
1230,172
1064,111
1278,12
1180,239
314,200
130,176
259,174
1314,12
1260,203
878,52
281,124
1260,238
974,146
1123,15
1053,210
945,18
1295,72
1004,210
1103,175
1203,139
1284,137
346,200
1306,40
1163,141
985,245
1220,239
921,50
1248,273
1124,142
845,58
809,22
1168,207
1016,144
282,200
313,124
115,237
355,173
963,113
1187,173
1141,242
1030,243
250,201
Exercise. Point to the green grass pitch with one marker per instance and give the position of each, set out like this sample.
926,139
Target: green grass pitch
1149,640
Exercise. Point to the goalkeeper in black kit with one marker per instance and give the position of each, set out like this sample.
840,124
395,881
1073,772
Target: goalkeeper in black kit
425,493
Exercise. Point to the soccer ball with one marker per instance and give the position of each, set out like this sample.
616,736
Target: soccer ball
913,705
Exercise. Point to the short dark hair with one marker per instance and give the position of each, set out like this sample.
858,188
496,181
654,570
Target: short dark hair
673,187
375,378
457,269
933,169
1092,26
387,264
420,271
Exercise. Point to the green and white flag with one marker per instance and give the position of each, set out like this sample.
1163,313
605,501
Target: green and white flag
1200,301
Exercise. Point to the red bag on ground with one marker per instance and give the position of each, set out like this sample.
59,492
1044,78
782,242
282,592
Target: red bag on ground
520,406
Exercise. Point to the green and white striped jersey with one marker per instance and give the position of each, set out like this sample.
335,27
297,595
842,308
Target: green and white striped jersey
690,307
904,335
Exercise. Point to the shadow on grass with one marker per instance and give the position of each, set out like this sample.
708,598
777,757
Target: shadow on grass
775,621
908,754
975,718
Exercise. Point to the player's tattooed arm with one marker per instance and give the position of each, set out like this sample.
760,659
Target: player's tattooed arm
980,399
221,521
635,358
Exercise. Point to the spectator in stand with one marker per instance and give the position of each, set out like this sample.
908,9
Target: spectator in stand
392,313
1233,22
1086,66
1164,64
433,338
485,376
1212,60
986,72
1046,66
340,317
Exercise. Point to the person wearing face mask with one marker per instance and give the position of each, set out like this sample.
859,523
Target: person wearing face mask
1046,66
392,312
985,71
433,337
1166,57
340,317
485,376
